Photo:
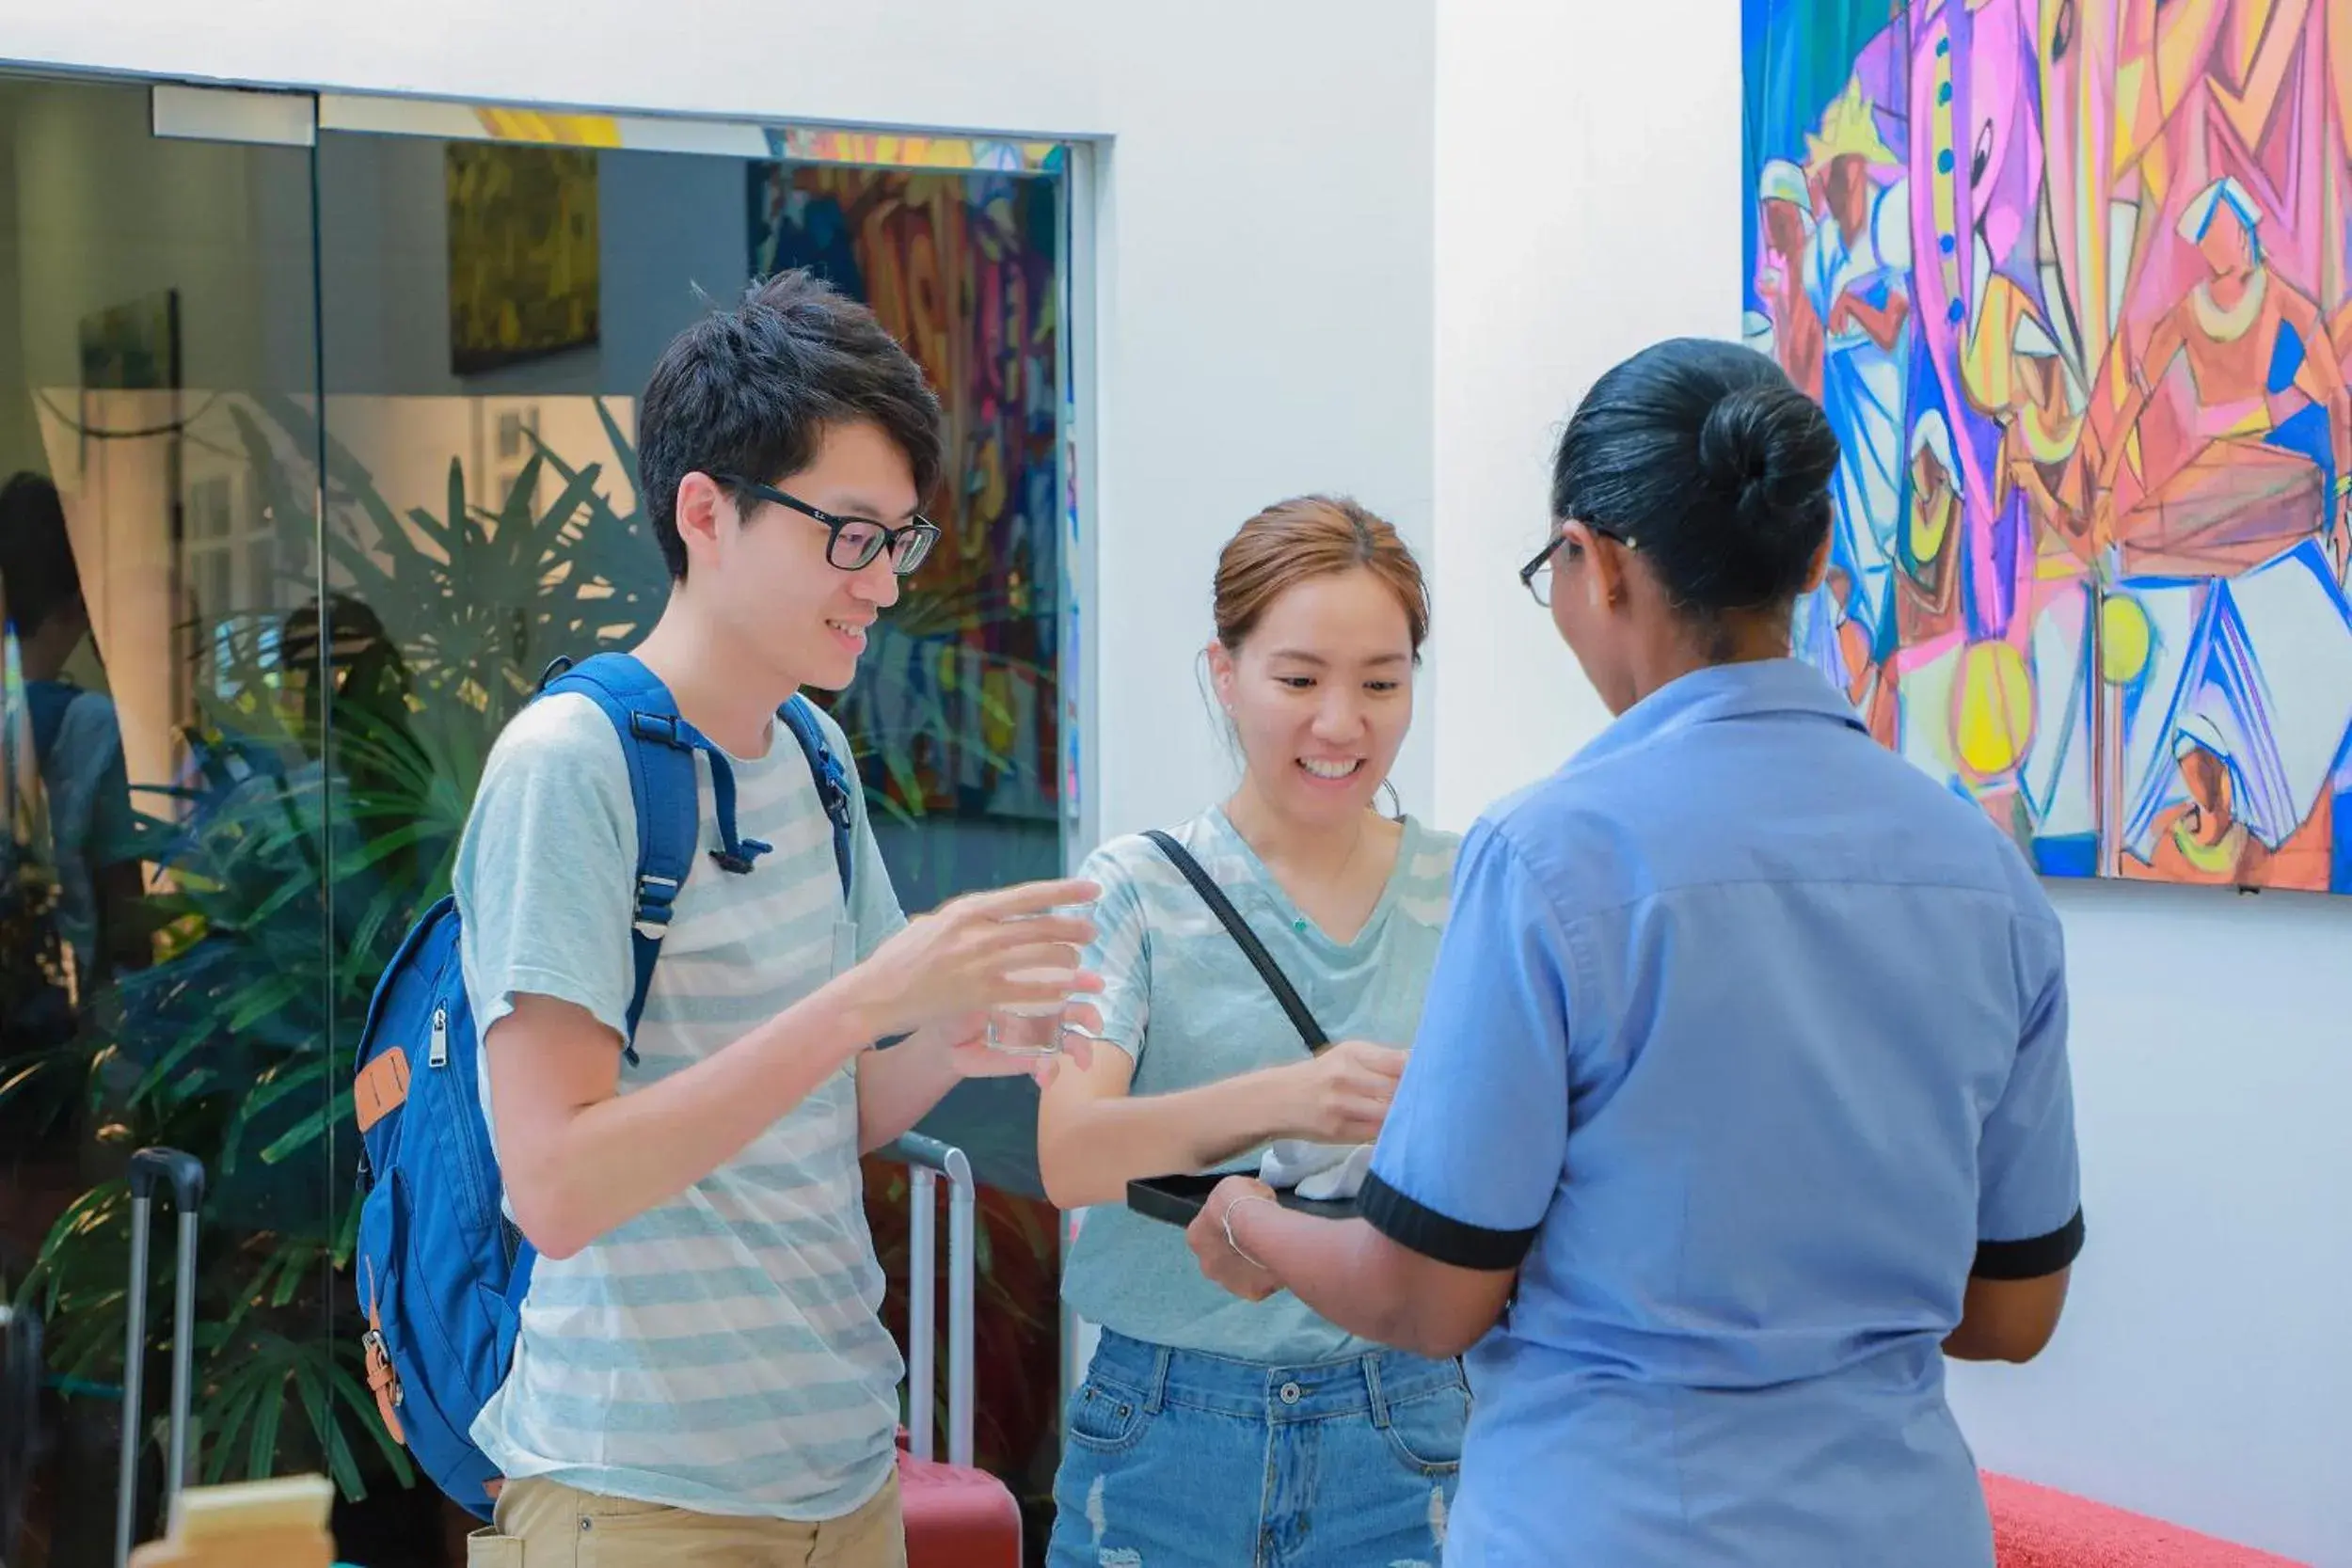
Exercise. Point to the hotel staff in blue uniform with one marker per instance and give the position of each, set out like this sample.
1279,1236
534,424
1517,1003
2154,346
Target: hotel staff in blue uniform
1740,1099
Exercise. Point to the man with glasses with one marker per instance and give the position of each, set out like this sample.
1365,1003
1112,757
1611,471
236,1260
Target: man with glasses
702,1373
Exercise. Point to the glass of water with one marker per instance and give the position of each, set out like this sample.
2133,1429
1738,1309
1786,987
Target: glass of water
1029,1028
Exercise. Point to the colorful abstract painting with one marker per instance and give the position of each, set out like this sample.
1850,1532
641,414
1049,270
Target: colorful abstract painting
886,150
2072,278
958,709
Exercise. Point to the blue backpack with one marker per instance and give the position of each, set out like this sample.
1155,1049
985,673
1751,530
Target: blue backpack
442,1271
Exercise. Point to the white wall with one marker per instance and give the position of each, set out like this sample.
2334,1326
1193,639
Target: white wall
1265,323
2203,1372
1588,172
1587,203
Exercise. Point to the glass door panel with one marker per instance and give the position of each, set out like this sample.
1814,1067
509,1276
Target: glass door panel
495,288
163,949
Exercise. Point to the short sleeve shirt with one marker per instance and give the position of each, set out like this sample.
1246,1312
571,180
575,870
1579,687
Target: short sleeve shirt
723,1352
1747,1045
1181,998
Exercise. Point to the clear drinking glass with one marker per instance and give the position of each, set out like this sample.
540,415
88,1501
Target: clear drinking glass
1029,1028
1035,1028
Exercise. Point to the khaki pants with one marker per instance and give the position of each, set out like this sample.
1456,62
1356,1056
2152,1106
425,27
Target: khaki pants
540,1523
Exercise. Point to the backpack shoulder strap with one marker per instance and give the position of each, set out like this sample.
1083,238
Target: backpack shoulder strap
1244,938
832,784
660,747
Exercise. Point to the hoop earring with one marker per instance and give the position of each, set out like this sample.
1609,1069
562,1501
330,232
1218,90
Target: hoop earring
1394,800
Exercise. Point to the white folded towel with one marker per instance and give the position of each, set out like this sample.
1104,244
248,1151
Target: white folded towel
1322,1173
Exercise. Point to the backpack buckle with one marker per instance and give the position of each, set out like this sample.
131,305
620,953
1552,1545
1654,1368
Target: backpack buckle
665,729
833,790
738,858
381,1377
655,895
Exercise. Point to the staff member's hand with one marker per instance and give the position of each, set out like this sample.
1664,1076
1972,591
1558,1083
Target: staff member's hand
1225,1264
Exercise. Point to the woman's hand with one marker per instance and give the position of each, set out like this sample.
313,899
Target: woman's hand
1221,1261
1342,1095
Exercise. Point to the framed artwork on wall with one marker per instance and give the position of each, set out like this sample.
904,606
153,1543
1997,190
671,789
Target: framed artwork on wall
524,253
2073,283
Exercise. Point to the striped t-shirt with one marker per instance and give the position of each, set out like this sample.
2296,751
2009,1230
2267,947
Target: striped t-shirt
724,1352
1179,997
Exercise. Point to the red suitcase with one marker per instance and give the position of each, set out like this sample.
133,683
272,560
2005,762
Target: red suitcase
957,1517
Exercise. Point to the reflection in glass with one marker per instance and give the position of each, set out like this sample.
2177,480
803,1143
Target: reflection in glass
954,715
482,510
954,710
238,738
163,931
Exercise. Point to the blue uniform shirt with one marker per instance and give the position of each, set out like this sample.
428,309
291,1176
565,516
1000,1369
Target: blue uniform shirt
1747,1043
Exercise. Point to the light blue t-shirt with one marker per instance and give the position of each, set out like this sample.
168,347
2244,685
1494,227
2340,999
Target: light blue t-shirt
1747,1043
723,1352
1182,998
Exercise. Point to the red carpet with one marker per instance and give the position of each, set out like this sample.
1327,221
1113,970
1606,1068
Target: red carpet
2034,1527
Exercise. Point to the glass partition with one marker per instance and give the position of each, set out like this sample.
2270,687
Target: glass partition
165,954
490,308
315,454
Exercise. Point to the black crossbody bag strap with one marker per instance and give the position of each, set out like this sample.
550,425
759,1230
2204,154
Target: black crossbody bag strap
1244,938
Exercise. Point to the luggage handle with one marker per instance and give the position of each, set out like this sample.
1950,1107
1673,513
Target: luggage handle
20,1419
183,1174
927,1160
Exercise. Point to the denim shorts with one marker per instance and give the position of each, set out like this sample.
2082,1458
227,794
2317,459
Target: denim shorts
1172,1459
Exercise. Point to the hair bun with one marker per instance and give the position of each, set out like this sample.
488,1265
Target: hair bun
1765,450
1703,452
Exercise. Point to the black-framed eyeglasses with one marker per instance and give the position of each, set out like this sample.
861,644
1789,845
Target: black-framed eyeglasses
851,544
1535,577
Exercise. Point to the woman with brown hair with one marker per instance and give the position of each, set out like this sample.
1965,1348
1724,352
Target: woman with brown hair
1209,1429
